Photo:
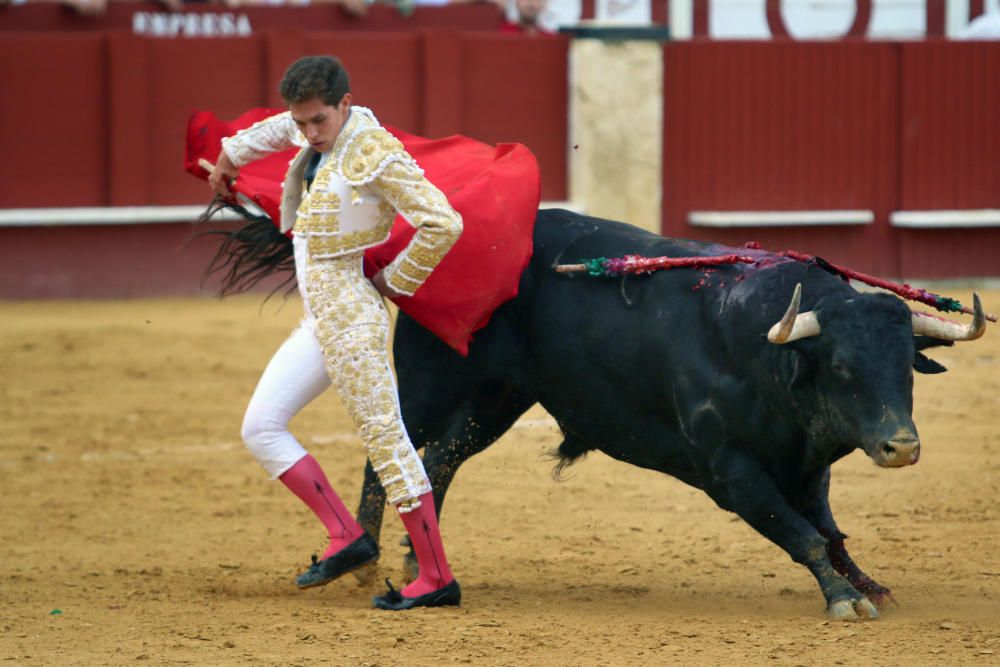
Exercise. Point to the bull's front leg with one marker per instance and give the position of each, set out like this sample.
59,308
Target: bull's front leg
743,486
820,515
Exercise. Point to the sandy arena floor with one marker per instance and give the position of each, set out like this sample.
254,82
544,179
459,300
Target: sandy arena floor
137,530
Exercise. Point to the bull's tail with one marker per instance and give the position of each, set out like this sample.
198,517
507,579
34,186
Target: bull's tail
571,449
249,254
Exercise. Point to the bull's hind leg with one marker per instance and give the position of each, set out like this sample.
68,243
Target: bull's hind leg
820,515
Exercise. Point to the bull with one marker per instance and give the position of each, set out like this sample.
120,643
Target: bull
746,381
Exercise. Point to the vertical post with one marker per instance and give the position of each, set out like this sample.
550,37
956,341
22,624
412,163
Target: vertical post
616,123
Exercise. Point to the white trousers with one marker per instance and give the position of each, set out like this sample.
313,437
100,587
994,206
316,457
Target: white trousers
341,340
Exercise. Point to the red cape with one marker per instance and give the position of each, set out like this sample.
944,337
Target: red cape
496,189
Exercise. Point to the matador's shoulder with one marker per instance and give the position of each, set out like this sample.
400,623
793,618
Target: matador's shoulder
368,149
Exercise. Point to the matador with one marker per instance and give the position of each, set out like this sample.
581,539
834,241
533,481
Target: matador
341,195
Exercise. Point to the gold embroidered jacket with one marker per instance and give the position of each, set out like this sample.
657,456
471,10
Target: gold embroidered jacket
356,193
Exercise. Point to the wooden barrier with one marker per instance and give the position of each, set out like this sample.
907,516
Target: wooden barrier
858,136
98,119
54,125
103,116
861,128
782,126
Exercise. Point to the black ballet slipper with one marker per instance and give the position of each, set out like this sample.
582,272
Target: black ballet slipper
449,596
360,552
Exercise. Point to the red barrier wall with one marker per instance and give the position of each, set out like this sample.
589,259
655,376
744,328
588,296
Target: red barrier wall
104,261
851,125
782,126
949,153
108,261
98,120
513,87
432,83
950,125
53,121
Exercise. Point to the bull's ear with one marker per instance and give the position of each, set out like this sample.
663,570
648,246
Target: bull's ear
924,342
923,364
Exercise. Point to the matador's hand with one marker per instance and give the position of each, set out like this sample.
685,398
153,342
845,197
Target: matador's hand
383,287
224,175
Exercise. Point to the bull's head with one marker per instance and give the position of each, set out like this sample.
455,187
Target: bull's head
861,365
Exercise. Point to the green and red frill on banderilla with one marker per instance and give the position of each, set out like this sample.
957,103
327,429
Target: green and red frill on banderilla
637,265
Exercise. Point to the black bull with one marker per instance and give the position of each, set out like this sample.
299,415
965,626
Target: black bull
674,371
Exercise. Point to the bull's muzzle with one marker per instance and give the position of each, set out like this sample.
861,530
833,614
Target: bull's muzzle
901,450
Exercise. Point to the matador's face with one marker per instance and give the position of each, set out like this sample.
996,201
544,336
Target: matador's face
321,122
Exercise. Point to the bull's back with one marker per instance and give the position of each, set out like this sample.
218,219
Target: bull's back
564,237
738,300
618,308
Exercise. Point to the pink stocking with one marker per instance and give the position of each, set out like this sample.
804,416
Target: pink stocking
306,480
422,526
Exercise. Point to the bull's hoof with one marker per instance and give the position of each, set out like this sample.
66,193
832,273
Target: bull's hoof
879,595
852,610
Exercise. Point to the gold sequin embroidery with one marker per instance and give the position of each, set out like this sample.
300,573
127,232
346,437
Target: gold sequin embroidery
272,134
425,207
318,213
333,245
367,152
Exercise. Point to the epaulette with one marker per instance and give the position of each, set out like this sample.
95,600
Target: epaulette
369,152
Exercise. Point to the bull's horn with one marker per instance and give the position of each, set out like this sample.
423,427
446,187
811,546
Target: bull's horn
925,324
794,325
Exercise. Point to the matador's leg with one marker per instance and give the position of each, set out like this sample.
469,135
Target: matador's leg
352,326
353,329
293,378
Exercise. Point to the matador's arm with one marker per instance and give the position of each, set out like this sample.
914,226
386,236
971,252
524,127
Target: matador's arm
376,159
425,207
271,135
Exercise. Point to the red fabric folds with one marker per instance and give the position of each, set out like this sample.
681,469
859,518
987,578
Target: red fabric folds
495,188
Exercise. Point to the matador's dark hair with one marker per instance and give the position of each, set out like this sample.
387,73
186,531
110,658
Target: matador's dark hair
248,254
315,76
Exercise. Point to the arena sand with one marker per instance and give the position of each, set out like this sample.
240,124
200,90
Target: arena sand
137,530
